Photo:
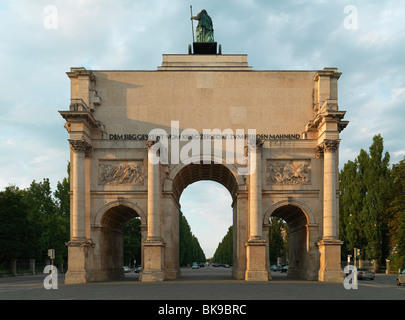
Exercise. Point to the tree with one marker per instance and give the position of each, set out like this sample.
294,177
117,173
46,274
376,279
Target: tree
189,248
224,251
48,219
276,239
350,206
395,214
396,207
377,181
62,220
132,241
13,225
365,187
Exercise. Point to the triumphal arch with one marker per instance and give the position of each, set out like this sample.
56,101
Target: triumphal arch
139,138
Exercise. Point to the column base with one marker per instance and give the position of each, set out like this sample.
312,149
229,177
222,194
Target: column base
329,269
153,267
79,268
256,269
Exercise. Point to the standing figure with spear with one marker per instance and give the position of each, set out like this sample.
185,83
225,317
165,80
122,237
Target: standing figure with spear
204,30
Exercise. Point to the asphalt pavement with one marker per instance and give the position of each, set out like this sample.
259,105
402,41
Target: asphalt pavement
200,284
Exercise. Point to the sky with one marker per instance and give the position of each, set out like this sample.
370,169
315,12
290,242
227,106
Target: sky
41,40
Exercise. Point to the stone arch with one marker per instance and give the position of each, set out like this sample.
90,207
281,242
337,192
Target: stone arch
183,175
119,207
302,237
107,232
289,203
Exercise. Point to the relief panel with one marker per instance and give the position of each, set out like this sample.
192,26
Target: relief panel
121,172
287,172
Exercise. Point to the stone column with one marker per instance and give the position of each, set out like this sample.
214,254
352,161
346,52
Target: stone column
255,194
329,246
256,269
153,194
78,247
79,149
329,189
154,247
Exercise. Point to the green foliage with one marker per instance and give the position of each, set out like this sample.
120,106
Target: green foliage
14,228
278,245
224,251
34,220
189,248
396,209
401,237
366,186
132,241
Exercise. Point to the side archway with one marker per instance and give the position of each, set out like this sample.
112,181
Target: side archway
107,230
303,232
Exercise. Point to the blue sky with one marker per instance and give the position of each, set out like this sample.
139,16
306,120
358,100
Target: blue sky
36,51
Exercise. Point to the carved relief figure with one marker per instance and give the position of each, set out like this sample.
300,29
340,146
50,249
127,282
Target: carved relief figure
289,172
121,174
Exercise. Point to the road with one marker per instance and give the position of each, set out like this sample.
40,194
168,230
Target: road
202,284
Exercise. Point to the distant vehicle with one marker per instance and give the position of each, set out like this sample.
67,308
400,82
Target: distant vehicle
275,268
284,269
138,269
126,269
401,278
365,274
195,266
226,265
215,265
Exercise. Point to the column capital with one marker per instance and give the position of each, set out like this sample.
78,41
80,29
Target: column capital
327,145
80,146
330,145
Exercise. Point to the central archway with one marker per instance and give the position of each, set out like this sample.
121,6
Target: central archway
184,175
207,206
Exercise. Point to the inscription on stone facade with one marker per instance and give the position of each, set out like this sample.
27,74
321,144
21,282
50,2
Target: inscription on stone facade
121,173
288,172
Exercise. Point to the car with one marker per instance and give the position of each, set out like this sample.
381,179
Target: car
401,278
365,274
284,269
195,266
215,265
138,269
126,269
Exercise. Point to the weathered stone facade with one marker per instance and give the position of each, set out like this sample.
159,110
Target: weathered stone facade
113,178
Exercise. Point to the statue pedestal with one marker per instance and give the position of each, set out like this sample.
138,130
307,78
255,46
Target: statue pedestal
204,47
